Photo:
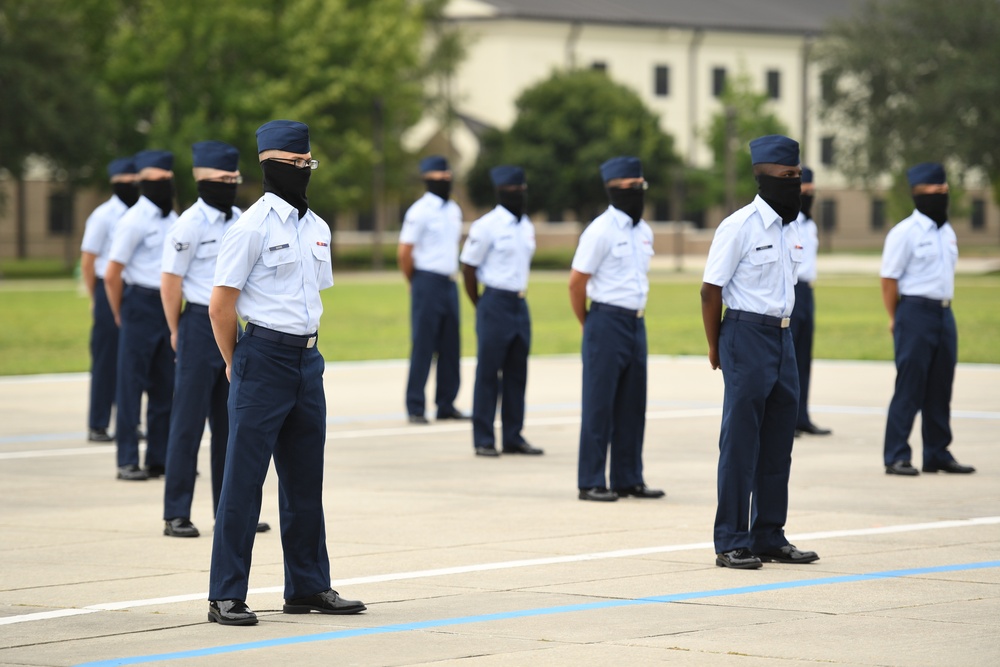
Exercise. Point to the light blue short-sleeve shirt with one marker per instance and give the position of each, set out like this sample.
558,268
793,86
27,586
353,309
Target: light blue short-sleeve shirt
279,263
137,243
433,227
921,257
809,235
755,259
97,232
192,248
616,254
500,247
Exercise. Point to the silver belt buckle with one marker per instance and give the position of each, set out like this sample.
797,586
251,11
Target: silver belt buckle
785,322
521,294
639,313
945,303
311,342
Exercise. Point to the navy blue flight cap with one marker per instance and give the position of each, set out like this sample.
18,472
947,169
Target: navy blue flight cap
506,174
931,173
121,165
775,149
807,175
216,155
154,158
434,163
283,135
623,166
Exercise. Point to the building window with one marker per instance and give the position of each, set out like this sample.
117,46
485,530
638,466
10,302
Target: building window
978,214
826,154
828,214
599,66
661,81
60,213
718,81
878,214
773,84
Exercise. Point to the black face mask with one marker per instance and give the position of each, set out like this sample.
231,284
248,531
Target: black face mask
288,182
160,193
218,195
439,187
127,192
630,201
934,206
781,194
807,205
515,201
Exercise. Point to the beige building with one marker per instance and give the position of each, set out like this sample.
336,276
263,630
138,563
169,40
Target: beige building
677,55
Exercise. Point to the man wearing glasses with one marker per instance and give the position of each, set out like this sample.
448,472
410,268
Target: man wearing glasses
200,387
610,267
272,265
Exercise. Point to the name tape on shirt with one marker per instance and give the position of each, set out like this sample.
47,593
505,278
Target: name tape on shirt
207,242
278,247
764,247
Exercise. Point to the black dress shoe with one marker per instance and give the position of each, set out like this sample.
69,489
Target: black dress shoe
951,466
901,468
640,491
739,559
263,527
417,419
155,471
451,414
327,602
230,612
99,435
600,494
788,554
487,451
132,473
812,429
179,527
522,448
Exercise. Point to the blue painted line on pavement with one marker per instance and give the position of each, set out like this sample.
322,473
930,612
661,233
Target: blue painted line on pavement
544,611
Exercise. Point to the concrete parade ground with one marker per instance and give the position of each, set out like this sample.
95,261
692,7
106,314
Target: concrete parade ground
495,562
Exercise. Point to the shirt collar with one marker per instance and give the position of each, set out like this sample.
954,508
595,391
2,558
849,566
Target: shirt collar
280,206
149,209
926,223
211,213
508,217
765,211
622,219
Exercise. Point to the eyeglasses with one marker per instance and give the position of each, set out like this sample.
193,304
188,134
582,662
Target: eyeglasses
297,162
231,180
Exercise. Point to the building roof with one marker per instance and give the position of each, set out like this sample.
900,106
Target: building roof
774,16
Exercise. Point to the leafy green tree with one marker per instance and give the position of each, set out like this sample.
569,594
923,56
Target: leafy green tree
915,80
745,115
566,127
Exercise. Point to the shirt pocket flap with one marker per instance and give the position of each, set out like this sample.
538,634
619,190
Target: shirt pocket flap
278,255
762,256
207,249
622,250
321,252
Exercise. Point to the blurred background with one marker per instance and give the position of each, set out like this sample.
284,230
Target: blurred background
867,88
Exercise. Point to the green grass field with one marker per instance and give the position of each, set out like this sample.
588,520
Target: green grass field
46,322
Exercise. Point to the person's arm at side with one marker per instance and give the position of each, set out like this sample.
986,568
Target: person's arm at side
404,257
114,286
225,323
890,298
471,283
88,273
711,315
578,294
171,295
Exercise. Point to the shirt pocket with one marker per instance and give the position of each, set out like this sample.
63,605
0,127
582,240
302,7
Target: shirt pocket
765,262
207,249
321,264
283,268
622,252
797,254
153,241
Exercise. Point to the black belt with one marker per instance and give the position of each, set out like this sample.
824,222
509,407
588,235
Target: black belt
197,308
432,274
292,340
756,318
608,308
145,290
924,301
506,292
